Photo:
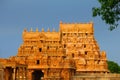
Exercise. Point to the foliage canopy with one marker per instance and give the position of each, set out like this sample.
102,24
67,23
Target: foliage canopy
113,67
109,12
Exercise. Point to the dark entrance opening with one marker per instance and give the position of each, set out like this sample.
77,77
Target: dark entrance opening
9,72
37,74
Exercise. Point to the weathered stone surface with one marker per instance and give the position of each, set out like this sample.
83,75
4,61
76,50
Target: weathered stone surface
1,72
57,55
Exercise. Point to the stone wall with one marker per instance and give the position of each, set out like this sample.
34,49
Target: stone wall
1,72
96,76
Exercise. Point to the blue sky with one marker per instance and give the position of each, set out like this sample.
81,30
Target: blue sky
15,15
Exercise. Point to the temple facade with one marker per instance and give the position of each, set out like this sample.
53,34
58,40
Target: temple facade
57,55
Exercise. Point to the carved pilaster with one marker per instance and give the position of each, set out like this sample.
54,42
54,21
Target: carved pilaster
30,74
14,73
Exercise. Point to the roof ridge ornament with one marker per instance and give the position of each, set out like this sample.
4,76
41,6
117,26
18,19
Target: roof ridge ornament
42,29
37,30
31,30
61,22
53,30
48,30
25,30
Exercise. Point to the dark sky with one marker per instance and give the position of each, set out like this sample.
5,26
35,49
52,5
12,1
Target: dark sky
15,15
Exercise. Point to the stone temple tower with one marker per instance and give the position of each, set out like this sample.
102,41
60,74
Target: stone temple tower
79,43
60,55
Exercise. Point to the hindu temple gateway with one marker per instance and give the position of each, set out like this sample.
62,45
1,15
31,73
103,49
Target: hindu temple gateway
56,55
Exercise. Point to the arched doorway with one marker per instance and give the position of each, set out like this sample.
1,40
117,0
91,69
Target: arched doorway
37,74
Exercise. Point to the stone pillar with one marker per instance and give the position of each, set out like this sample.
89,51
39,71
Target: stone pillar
45,72
14,72
6,74
2,74
29,74
18,73
21,73
24,73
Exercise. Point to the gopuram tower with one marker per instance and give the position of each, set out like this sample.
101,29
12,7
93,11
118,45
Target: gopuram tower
60,55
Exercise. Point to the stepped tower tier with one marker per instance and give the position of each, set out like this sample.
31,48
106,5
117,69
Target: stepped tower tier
79,42
73,49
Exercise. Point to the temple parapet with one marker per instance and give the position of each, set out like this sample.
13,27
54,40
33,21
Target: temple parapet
77,27
60,55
